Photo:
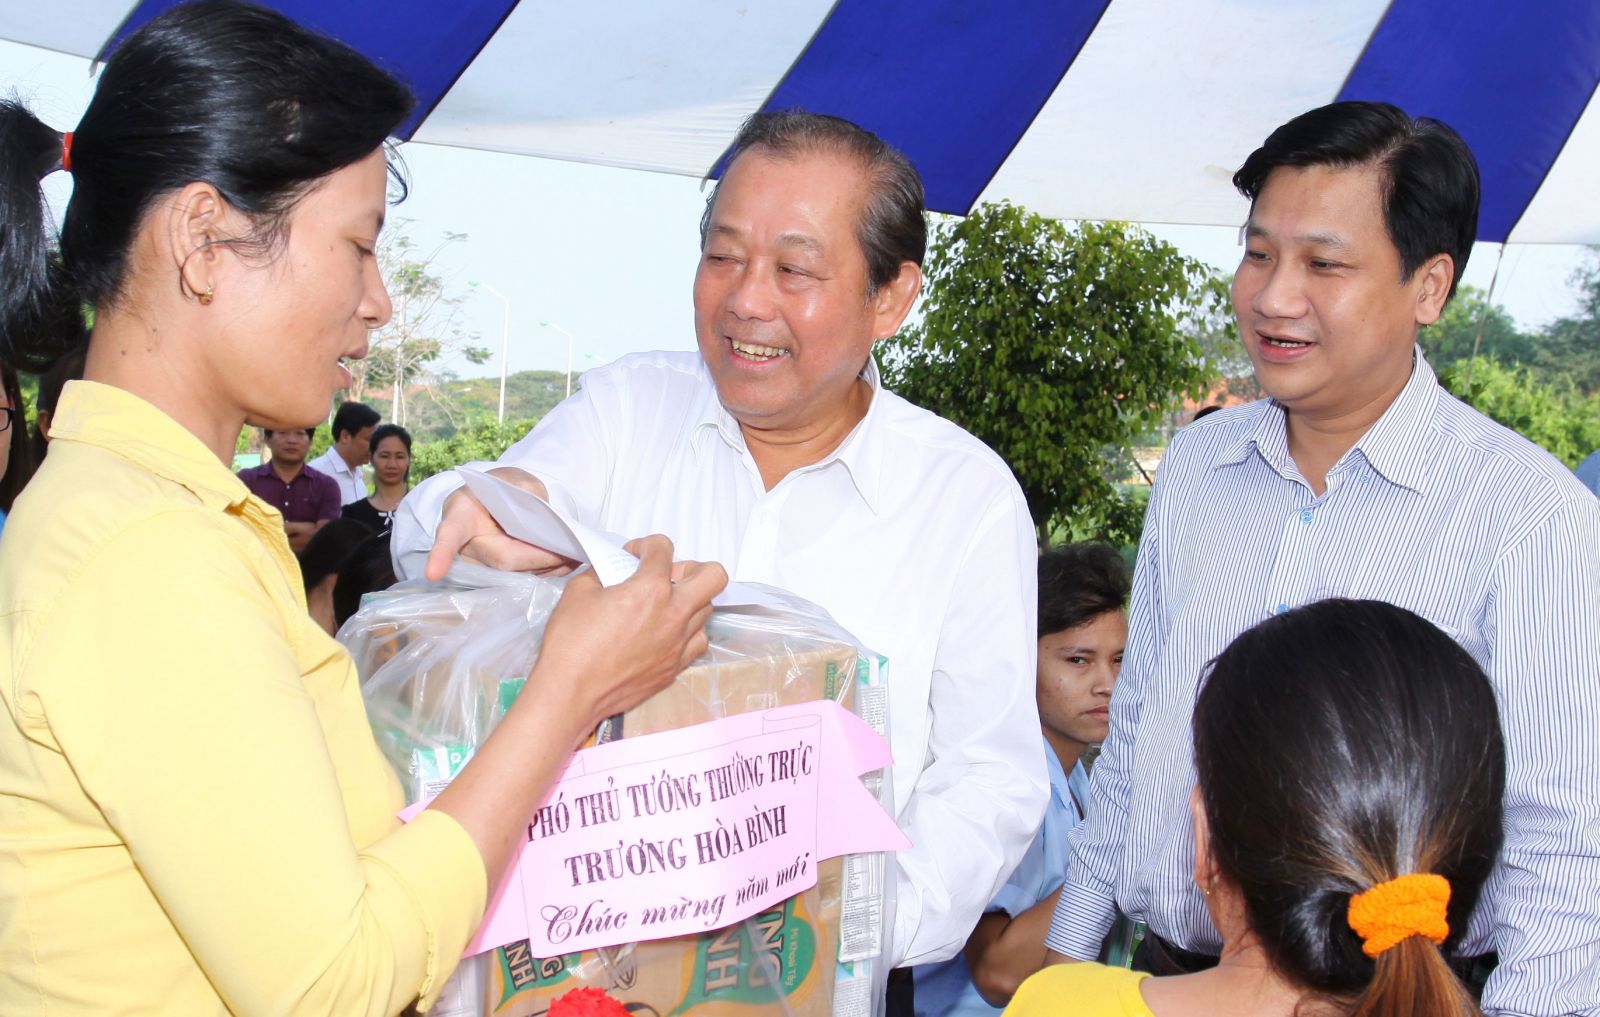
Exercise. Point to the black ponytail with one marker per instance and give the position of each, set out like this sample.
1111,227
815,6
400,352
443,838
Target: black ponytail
228,93
1339,746
35,299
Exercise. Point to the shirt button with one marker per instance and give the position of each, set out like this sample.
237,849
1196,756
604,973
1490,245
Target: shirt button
1305,516
1282,608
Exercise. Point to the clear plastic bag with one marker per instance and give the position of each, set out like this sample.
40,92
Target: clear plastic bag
441,663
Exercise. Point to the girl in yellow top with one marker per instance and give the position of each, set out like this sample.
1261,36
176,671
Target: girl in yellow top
194,817
1350,770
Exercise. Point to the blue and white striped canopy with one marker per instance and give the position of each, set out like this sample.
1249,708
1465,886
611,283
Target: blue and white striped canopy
1094,109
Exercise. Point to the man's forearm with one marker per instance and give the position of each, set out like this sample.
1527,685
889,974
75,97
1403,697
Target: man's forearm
1003,951
1547,924
299,534
1083,916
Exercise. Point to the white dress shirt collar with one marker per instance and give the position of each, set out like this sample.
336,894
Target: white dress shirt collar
861,452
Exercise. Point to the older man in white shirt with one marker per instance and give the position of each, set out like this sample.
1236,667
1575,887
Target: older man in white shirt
776,452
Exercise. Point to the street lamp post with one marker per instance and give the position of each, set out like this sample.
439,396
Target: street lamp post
505,341
558,328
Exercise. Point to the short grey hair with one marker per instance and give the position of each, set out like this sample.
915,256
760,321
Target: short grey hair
892,228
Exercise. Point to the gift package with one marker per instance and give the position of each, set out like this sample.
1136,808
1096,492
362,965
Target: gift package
441,663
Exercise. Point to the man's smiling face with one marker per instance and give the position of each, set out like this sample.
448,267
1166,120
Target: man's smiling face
782,313
1323,310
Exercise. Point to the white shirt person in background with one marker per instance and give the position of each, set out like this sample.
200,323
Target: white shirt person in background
353,424
1361,478
776,452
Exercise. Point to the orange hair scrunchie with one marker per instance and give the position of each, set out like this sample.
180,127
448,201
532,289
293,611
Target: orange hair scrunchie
1407,906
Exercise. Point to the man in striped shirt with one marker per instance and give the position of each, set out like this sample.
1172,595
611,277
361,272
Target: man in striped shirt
1361,477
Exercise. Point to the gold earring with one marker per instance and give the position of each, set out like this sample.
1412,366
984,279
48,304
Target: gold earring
206,297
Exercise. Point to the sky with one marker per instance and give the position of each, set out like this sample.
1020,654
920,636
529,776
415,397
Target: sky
609,254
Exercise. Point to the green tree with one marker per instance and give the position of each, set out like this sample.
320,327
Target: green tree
463,403
1058,347
1569,350
1555,415
1455,336
1218,335
1570,347
485,441
29,384
423,327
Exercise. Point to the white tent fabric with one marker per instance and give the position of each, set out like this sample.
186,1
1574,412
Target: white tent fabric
1567,208
1098,109
1167,99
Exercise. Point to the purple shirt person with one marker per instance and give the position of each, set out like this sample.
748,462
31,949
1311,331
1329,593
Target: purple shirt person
307,498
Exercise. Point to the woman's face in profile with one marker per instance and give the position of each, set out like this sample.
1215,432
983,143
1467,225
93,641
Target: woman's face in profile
289,318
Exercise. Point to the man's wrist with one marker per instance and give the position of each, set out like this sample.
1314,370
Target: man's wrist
1081,921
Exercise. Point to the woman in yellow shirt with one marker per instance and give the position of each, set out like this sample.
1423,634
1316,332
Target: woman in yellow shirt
1350,769
194,816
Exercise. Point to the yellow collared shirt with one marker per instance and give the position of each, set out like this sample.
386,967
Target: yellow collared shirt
194,817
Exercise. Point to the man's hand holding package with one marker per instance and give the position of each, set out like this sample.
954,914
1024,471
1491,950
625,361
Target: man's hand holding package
606,648
466,528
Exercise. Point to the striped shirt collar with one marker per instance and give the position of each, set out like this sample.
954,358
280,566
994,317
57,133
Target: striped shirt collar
1397,446
861,452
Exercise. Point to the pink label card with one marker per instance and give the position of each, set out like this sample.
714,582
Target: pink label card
690,830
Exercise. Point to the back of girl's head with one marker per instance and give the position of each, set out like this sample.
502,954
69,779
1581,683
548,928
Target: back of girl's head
329,548
228,93
1340,746
368,569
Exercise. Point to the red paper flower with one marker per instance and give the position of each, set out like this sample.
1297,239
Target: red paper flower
588,1002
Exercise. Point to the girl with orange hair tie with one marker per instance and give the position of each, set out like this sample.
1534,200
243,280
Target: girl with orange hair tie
1350,768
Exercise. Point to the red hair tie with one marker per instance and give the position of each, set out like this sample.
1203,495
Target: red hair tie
66,151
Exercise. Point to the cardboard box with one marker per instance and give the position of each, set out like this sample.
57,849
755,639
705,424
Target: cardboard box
782,961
